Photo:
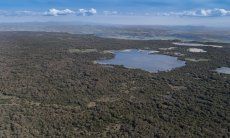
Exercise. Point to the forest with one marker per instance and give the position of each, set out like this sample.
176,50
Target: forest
51,87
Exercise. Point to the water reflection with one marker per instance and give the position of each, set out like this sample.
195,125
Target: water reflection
224,70
143,59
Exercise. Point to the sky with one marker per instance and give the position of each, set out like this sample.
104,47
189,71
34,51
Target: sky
143,12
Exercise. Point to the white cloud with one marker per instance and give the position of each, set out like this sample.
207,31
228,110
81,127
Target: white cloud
201,13
2,12
217,12
110,12
147,14
55,12
50,12
84,12
19,13
26,13
80,12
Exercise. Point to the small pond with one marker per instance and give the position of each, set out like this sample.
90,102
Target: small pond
223,70
143,59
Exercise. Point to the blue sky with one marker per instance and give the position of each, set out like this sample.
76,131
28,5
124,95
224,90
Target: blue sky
42,10
115,4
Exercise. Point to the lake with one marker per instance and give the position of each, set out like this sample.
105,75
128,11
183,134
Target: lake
223,70
143,59
195,45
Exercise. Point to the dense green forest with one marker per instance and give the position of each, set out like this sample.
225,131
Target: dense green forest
51,87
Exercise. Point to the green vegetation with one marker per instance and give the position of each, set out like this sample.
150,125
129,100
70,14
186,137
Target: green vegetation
82,50
48,90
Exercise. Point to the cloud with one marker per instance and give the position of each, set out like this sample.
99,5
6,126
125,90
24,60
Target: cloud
26,13
217,12
55,12
110,12
19,13
80,12
50,12
84,12
2,12
201,13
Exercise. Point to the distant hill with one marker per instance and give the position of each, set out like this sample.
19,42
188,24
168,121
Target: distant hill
186,33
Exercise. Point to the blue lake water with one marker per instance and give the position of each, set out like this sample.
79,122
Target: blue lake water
143,59
224,70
